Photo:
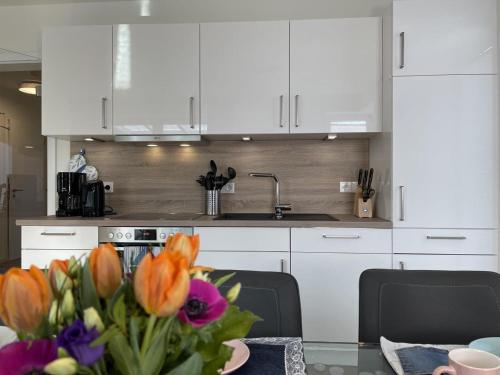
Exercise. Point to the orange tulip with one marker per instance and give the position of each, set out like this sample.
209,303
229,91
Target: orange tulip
161,284
24,298
59,276
188,246
106,270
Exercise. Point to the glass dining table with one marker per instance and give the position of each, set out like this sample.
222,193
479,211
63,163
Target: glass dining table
345,359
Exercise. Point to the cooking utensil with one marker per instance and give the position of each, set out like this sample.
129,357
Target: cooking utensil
367,194
213,167
231,173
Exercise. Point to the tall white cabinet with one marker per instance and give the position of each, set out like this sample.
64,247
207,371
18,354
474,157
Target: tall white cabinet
336,75
77,81
156,79
438,155
244,77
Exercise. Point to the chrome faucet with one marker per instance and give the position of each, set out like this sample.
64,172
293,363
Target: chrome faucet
278,206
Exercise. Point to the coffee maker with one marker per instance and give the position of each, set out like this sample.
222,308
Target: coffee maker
69,189
93,199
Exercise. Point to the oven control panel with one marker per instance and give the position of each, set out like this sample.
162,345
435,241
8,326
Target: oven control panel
139,235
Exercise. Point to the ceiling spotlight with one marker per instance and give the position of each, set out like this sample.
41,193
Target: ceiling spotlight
331,137
28,147
184,145
246,139
89,139
31,87
152,145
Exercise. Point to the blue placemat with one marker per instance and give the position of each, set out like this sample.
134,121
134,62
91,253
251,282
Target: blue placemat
274,356
419,360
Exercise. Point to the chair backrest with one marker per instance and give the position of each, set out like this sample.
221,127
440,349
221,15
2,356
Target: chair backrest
274,296
434,307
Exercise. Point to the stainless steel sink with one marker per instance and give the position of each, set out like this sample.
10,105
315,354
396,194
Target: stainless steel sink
286,217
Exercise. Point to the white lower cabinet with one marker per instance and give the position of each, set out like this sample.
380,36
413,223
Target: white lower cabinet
246,260
329,292
327,263
41,244
445,262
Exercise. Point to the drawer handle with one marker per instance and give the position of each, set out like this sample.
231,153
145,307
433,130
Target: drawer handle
343,237
57,234
282,265
446,237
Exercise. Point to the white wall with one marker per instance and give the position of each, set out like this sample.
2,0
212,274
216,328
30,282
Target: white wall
20,26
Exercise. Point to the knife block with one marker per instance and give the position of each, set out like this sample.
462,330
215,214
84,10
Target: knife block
363,209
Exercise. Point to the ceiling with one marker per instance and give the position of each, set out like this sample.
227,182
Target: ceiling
42,2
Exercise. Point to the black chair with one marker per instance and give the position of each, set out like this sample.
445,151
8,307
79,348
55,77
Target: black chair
274,296
434,307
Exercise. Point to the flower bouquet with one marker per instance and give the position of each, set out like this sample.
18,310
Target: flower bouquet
86,317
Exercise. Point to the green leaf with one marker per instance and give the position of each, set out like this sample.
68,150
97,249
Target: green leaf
191,366
119,313
85,371
123,356
88,293
224,355
134,329
221,280
106,336
156,354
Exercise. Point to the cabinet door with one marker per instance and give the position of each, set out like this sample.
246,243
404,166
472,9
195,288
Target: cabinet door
445,152
336,75
444,37
248,261
446,262
329,292
156,79
77,81
244,78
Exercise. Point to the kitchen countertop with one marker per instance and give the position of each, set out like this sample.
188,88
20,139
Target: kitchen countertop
344,221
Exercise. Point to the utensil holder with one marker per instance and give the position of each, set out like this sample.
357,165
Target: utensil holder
364,209
212,202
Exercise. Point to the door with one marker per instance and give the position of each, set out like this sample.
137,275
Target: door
444,37
244,77
156,79
248,261
446,262
336,75
445,152
329,292
77,81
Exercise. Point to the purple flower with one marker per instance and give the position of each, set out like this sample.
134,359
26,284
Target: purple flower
24,357
204,304
76,340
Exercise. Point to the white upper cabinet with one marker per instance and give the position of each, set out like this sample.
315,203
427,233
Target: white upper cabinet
444,37
77,80
336,75
244,78
445,155
156,79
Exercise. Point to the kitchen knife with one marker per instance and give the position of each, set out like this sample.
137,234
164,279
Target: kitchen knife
370,179
365,179
360,176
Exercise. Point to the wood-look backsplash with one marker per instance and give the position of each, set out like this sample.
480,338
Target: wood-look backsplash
162,179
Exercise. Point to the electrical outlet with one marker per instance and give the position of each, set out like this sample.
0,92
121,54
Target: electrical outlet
228,188
108,186
348,186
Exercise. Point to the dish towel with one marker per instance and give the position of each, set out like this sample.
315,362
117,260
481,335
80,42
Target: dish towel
389,349
417,360
274,356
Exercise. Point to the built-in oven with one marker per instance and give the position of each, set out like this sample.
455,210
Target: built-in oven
133,243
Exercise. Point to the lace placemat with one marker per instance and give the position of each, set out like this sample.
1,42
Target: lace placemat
294,352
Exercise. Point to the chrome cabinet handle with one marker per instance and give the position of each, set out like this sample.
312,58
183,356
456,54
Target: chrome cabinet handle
446,237
57,234
103,109
282,265
281,111
296,111
401,265
344,237
191,111
402,36
402,203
